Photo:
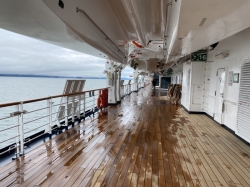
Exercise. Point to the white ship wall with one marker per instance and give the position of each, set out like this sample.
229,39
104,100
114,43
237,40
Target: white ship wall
238,47
193,85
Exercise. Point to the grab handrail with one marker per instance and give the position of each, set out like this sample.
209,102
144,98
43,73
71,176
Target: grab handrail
50,97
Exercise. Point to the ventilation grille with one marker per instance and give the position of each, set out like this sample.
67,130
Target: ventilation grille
243,125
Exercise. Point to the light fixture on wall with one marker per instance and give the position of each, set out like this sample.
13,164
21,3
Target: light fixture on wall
222,55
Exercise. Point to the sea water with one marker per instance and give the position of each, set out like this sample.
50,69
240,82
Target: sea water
16,89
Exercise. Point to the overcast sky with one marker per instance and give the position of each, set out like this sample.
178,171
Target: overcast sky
23,55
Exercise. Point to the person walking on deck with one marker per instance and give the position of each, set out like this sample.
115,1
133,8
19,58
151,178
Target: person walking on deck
154,83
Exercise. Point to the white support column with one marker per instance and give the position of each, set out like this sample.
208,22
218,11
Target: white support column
142,81
136,74
111,82
118,86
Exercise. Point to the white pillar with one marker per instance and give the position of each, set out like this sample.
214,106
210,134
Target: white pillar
142,81
118,86
111,82
136,74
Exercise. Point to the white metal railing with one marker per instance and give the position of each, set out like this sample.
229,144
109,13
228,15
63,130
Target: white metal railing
129,88
134,87
22,122
125,90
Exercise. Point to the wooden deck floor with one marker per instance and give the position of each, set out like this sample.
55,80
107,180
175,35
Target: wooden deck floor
144,141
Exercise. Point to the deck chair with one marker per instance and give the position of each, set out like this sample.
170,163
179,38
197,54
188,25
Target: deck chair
71,105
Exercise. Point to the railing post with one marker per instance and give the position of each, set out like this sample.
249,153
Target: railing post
21,129
73,111
49,113
18,133
93,109
84,105
79,108
66,111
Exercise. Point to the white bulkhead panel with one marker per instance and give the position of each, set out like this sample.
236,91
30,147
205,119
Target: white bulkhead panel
192,86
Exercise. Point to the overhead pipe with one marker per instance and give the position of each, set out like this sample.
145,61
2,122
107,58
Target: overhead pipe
168,13
134,19
137,44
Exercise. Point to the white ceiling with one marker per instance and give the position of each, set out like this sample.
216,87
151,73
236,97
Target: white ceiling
107,27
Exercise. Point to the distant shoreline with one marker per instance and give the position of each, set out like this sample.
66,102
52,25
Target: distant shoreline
47,76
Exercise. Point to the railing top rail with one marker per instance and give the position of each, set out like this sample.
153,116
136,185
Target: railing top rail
45,98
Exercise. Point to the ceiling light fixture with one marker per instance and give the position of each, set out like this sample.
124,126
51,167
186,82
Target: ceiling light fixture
222,55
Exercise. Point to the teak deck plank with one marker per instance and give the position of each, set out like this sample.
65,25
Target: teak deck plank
234,175
153,143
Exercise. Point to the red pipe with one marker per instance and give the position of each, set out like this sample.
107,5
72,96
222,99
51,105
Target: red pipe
137,44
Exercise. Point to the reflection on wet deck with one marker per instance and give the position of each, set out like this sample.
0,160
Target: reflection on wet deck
144,141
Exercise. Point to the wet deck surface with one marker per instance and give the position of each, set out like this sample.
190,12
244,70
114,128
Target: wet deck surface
144,141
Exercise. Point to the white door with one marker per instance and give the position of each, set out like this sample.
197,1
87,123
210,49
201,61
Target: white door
219,94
